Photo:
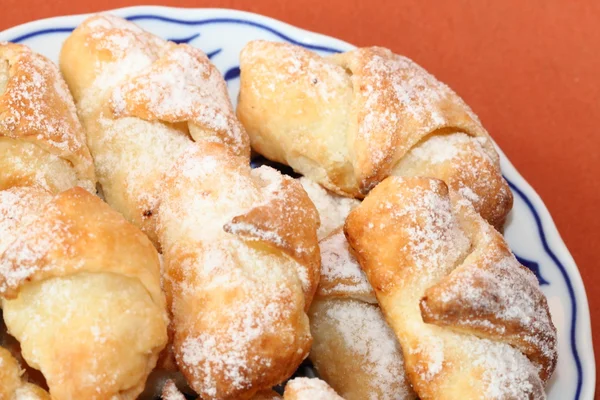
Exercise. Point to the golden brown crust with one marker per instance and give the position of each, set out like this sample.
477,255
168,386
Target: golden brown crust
465,312
350,120
237,297
263,223
37,115
78,282
143,101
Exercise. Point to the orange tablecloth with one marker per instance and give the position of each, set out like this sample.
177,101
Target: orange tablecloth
530,70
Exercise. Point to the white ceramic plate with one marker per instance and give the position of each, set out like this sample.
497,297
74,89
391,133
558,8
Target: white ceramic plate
530,230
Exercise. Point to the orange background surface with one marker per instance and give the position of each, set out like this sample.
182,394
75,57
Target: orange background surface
529,69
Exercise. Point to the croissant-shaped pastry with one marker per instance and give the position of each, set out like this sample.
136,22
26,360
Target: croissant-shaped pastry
80,291
12,385
472,322
242,265
354,350
41,140
350,120
309,389
142,100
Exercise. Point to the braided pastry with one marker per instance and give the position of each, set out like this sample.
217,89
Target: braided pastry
41,140
350,120
242,265
78,285
12,385
472,322
142,100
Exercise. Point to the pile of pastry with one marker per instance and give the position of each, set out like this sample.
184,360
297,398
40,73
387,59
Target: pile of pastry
141,255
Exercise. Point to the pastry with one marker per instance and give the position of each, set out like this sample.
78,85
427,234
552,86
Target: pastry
143,100
349,120
241,267
41,140
78,284
309,389
332,208
12,385
171,392
354,350
471,321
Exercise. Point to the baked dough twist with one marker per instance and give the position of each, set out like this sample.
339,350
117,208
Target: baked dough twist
142,100
354,350
241,267
80,291
41,140
350,120
472,322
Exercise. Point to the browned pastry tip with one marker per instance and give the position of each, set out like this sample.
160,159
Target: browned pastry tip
41,139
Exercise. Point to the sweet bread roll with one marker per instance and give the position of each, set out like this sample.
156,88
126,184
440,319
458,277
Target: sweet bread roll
143,100
241,267
309,389
471,321
12,385
41,140
350,120
80,291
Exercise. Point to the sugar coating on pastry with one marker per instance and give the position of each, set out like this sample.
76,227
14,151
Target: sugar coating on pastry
341,275
333,208
348,121
170,392
183,86
309,389
77,283
420,247
241,259
38,119
357,348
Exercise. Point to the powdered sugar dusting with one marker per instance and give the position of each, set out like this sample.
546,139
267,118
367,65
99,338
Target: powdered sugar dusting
182,86
369,339
170,392
313,389
341,274
463,162
37,107
441,241
252,297
333,209
19,208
